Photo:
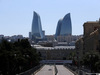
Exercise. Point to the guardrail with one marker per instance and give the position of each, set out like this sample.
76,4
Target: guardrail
92,74
31,71
76,71
72,69
80,71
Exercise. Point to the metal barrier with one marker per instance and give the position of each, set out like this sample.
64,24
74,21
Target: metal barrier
31,71
74,70
92,74
56,70
80,71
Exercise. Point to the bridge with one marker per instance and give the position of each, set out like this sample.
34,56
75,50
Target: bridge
56,61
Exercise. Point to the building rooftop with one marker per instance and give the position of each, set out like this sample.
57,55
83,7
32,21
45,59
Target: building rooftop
53,48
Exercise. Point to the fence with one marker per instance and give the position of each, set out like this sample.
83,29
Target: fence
80,71
72,69
31,71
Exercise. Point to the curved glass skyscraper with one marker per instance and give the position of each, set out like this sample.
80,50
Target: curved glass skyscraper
58,28
36,27
64,26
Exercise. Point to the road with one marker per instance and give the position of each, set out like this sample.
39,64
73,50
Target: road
46,70
49,70
63,71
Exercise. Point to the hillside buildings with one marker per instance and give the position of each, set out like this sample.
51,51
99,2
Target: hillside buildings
91,36
55,53
12,38
90,40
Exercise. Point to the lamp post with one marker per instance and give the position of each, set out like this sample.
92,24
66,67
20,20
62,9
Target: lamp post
92,56
15,65
26,56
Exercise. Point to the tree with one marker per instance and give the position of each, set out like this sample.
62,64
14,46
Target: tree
17,57
91,60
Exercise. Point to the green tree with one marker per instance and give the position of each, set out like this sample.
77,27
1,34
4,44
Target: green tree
91,60
17,57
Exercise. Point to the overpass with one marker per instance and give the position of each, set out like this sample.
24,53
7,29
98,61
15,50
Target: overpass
56,61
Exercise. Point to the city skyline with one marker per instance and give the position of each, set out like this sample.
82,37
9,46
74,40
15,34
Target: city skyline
16,16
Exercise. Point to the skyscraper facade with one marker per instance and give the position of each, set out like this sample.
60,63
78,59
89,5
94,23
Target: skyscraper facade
58,28
64,26
36,27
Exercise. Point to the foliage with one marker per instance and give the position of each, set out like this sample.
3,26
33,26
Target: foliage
17,57
72,55
91,60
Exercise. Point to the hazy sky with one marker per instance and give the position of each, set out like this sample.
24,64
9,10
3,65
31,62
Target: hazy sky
16,15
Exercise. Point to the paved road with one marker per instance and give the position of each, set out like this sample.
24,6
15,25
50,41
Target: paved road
63,71
46,70
49,70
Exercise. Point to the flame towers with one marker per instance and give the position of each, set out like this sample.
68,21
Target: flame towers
64,26
36,32
64,29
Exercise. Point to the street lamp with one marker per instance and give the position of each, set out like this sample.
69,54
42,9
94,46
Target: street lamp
15,65
26,55
91,56
15,55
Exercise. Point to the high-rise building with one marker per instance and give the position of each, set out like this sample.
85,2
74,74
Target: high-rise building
64,26
30,36
58,28
36,27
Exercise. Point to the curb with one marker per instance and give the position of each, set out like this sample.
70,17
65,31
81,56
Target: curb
37,70
70,70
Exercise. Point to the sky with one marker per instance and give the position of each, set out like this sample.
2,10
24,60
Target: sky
16,15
